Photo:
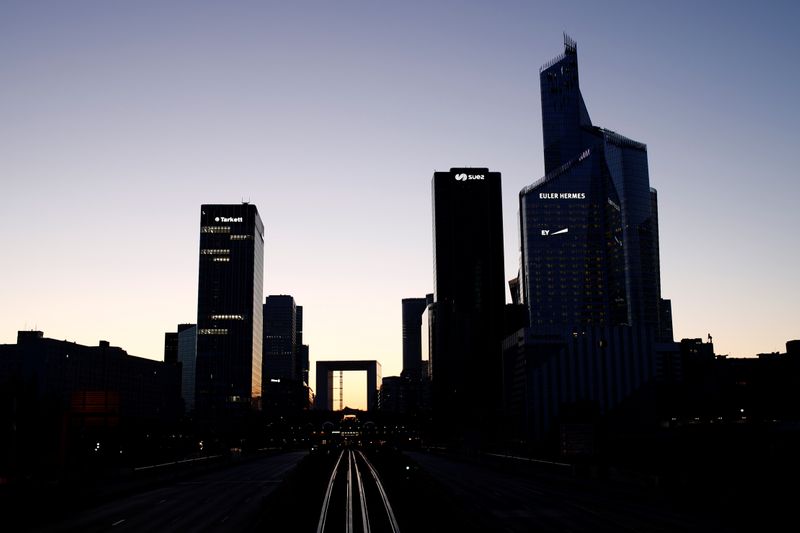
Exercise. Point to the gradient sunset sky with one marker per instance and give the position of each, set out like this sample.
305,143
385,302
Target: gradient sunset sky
118,119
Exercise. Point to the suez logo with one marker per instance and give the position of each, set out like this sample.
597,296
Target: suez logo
228,219
465,177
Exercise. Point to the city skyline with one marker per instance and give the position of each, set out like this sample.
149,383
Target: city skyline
332,122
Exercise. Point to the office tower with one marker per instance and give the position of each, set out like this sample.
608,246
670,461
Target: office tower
181,347
187,356
229,309
303,362
599,331
589,227
469,295
301,357
170,347
280,338
412,335
285,371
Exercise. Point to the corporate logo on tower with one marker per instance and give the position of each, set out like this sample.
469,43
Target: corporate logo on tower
465,177
228,219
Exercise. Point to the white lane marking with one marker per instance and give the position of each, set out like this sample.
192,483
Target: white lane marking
386,504
323,515
363,498
118,522
349,513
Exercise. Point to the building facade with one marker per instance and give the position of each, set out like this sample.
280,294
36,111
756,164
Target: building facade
302,363
412,309
65,404
280,338
469,295
598,331
589,227
187,357
229,308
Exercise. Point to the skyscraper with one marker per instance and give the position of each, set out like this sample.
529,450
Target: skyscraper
412,335
181,347
280,338
285,362
229,309
589,274
187,357
589,227
469,295
301,358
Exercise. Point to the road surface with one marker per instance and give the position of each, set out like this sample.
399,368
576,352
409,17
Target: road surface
224,500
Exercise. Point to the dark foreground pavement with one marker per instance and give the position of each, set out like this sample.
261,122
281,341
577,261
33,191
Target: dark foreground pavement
229,499
513,499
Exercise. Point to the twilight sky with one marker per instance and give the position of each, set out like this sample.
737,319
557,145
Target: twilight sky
117,120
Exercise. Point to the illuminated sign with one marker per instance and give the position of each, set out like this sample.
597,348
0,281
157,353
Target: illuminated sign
562,195
546,232
465,177
228,219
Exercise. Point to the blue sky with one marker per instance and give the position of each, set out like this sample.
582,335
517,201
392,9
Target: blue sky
117,120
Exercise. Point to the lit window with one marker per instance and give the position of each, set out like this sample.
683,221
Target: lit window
214,251
215,229
212,331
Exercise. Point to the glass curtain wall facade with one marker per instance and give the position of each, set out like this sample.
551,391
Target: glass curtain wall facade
280,338
589,227
229,308
412,336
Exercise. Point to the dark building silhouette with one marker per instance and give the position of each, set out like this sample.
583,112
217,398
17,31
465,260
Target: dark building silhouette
516,291
63,403
599,331
187,357
588,372
717,389
302,357
412,334
229,309
469,296
280,338
391,398
285,360
181,349
171,347
589,227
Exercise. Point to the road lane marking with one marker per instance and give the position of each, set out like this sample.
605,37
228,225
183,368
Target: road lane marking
386,504
118,522
363,499
323,515
349,513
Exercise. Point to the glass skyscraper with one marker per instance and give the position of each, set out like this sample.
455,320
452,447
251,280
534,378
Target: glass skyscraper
589,227
469,295
412,335
280,338
229,308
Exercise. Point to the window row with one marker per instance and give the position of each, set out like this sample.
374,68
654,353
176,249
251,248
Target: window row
212,331
215,229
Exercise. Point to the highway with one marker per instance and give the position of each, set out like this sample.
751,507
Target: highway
516,502
228,499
